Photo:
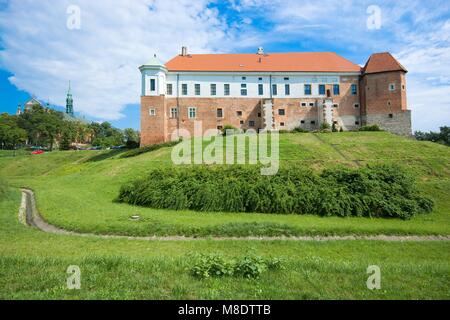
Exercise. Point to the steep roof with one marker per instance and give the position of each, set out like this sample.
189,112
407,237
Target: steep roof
274,62
382,62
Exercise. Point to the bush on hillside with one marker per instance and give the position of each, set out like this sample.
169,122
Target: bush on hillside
153,147
378,191
374,127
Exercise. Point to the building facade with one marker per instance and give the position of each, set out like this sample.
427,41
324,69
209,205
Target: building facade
279,91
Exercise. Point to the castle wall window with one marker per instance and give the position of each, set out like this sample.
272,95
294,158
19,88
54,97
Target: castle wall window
184,89
213,89
392,87
274,89
287,89
152,112
197,89
311,104
243,89
169,89
173,113
281,124
260,89
286,79
303,104
281,112
239,113
307,89
335,105
219,113
354,89
322,89
226,89
356,105
152,85
251,123
192,112
336,89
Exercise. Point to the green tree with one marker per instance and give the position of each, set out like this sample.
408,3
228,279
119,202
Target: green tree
10,133
132,138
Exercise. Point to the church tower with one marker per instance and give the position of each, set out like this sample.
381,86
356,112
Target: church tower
69,103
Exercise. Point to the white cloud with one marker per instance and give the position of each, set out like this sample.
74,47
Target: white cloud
102,58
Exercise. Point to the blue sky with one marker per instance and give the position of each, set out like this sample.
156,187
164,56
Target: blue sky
40,52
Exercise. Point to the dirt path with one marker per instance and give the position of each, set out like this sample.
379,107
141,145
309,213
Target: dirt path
29,215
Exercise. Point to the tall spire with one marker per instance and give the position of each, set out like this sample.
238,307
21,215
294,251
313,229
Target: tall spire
69,102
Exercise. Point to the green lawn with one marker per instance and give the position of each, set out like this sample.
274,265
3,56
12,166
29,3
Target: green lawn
76,190
33,266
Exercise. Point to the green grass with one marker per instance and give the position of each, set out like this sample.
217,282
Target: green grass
78,194
33,266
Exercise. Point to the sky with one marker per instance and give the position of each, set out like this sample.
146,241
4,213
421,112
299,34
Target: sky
99,45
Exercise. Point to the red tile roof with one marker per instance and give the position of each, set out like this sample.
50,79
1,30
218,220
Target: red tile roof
382,62
274,62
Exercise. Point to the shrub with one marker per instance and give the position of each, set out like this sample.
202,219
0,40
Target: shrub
374,127
325,126
249,266
153,147
376,191
213,265
228,128
300,130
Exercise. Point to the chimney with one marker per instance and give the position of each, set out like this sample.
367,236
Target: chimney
184,51
260,51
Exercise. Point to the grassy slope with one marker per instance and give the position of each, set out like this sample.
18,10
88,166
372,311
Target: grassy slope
33,266
78,194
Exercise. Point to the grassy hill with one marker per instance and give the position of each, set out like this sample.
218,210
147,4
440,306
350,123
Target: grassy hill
76,190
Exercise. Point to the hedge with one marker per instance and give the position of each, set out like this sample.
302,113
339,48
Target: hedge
373,191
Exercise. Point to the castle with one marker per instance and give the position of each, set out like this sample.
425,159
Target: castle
276,91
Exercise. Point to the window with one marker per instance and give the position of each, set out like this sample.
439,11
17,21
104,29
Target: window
389,103
169,89
322,89
391,115
336,89
303,104
274,89
287,89
260,89
241,122
259,114
403,87
357,123
251,123
392,87
313,122
307,89
356,105
243,89
302,121
239,113
244,78
311,104
192,112
197,89
152,85
173,113
184,90
226,89
354,89
281,124
286,79
213,89
335,105
281,112
152,112
220,128
259,79
220,113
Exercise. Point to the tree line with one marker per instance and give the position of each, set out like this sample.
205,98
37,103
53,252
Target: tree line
50,129
442,137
